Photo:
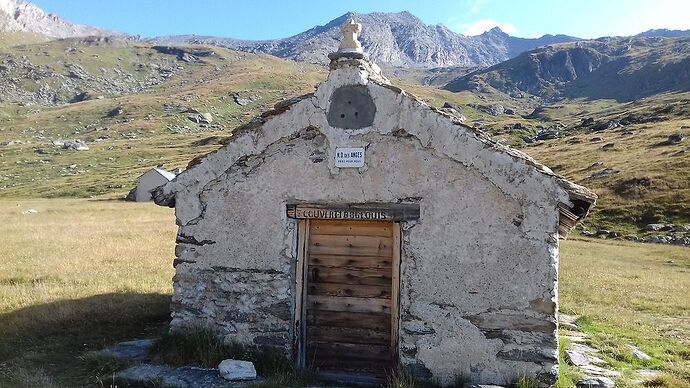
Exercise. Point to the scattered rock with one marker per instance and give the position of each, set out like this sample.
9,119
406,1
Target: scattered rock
604,173
611,124
174,108
244,101
201,118
11,143
485,386
653,227
189,58
682,241
595,382
235,370
547,134
448,105
450,109
74,145
602,232
141,375
638,354
495,110
130,350
83,96
509,111
675,138
540,112
576,358
594,370
192,377
587,121
115,112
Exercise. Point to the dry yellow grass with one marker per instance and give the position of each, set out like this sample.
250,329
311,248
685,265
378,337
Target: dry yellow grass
76,276
81,274
73,249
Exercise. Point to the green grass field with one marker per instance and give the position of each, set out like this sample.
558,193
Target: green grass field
82,274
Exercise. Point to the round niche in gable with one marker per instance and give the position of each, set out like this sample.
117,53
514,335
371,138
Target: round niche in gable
351,107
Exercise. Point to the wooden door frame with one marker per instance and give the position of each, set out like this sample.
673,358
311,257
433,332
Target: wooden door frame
300,329
300,315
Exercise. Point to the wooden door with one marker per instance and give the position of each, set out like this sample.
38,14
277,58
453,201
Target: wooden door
351,296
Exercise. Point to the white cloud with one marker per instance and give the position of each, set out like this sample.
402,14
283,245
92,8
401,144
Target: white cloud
475,6
483,25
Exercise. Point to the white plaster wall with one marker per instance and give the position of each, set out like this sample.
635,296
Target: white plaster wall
147,182
478,280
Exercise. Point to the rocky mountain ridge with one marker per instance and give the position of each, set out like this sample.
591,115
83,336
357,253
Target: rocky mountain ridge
622,68
393,39
22,16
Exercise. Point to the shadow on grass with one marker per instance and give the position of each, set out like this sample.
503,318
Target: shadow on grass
51,338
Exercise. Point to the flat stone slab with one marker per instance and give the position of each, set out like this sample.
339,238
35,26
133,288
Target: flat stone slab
595,382
565,318
576,338
137,350
237,370
158,376
582,348
192,377
576,358
486,386
598,371
143,375
638,354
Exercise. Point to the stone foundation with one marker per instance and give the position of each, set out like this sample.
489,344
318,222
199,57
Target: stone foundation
249,307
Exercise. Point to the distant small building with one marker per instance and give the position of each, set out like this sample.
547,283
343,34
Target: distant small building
149,181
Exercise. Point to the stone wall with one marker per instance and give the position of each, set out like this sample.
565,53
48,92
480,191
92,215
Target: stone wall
252,307
478,269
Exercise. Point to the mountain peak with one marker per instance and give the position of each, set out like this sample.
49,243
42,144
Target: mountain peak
665,33
496,31
22,16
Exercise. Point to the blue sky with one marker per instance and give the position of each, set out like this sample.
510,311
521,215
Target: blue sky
263,19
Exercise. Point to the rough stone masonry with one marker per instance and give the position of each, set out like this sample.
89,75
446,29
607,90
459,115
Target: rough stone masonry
478,268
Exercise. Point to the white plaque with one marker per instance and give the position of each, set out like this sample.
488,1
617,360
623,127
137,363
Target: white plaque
349,157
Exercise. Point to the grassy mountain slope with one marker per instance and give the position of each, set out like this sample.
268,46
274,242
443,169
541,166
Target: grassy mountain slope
130,132
148,127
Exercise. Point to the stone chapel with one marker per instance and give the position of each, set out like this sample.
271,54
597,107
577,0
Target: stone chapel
357,229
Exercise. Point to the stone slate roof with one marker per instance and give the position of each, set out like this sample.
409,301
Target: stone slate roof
164,173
